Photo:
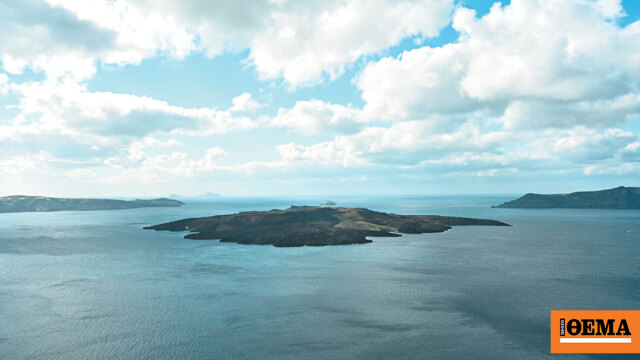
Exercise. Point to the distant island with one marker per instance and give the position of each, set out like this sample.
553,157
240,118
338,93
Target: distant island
617,198
328,203
313,226
22,203
204,198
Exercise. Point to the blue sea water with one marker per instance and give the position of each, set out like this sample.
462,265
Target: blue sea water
94,285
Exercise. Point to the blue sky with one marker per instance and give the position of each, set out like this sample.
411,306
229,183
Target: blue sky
150,98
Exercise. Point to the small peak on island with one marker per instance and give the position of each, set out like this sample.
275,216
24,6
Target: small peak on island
621,197
297,207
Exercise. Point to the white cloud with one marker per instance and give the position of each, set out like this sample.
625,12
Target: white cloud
417,84
580,145
315,116
38,164
4,83
537,86
613,169
540,63
303,41
414,146
138,33
49,40
543,49
208,162
66,39
633,147
298,41
81,174
531,114
320,38
610,9
569,66
71,107
338,152
244,102
140,167
22,164
403,143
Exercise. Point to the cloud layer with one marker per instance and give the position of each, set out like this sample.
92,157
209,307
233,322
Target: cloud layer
533,87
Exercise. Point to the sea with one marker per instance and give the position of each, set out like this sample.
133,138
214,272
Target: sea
95,285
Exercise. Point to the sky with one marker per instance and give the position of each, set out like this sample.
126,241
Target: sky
280,97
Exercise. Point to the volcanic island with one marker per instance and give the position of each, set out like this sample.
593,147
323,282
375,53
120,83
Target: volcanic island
313,226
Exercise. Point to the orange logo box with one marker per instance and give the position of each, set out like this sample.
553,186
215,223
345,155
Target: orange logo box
595,331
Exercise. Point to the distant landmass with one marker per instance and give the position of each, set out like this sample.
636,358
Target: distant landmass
618,198
21,203
207,197
313,226
328,203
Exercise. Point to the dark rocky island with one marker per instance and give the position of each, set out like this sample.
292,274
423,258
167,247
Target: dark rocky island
21,203
313,226
618,198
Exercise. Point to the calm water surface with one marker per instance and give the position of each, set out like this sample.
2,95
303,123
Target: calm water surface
93,285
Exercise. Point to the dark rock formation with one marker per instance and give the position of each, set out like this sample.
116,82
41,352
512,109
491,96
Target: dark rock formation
20,203
618,198
313,226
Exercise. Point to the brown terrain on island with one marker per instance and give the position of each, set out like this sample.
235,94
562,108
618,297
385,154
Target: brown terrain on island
313,226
